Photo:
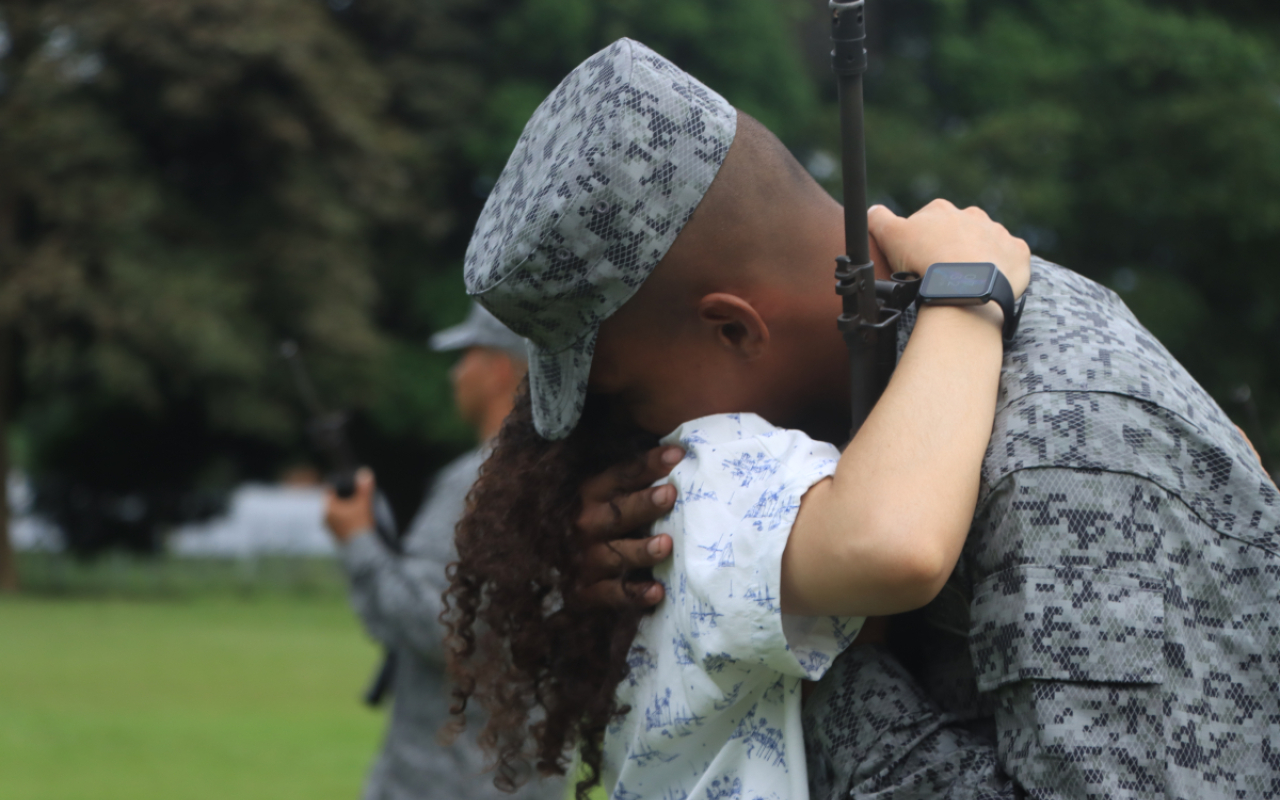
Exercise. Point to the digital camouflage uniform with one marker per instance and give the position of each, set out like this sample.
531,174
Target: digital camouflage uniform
1112,628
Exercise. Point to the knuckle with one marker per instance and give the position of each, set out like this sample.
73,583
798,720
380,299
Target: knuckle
607,593
654,468
590,488
593,594
604,557
591,520
614,519
632,469
638,510
622,512
653,459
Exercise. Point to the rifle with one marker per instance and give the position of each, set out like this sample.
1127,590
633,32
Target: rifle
871,308
328,433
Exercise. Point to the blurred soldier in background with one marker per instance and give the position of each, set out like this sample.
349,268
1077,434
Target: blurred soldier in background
398,596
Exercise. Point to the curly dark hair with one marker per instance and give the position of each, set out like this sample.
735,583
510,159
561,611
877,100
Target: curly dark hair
542,662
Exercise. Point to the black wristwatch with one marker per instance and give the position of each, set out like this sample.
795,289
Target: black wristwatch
971,285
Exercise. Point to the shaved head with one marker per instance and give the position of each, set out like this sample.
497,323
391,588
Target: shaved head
759,225
750,213
740,313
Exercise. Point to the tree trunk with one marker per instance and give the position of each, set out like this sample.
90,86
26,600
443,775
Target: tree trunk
8,562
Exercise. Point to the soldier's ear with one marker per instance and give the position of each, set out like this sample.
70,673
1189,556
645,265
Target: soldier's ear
735,325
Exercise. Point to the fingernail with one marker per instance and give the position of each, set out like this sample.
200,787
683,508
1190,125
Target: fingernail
653,594
663,495
672,456
656,546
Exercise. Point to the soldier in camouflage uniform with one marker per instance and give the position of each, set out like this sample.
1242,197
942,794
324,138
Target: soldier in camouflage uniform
1112,628
397,595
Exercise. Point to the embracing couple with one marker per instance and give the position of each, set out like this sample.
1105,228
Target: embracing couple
1088,549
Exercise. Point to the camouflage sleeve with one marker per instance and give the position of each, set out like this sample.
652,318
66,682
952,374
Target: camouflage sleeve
1071,650
398,597
1125,567
871,731
1127,648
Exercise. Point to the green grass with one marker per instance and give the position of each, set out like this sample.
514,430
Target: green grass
128,678
118,575
213,696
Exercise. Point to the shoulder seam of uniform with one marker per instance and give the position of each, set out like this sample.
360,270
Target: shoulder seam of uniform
1147,478
1198,427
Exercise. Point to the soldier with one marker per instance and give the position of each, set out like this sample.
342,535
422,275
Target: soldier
1110,629
398,596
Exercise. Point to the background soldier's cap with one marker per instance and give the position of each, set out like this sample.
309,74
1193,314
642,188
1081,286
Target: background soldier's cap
607,172
480,329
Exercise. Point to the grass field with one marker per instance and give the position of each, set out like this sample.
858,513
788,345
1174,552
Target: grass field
220,696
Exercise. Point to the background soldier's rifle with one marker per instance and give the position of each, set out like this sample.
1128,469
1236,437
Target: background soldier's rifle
327,430
872,308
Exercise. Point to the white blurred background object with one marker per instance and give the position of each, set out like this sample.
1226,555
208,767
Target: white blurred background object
260,520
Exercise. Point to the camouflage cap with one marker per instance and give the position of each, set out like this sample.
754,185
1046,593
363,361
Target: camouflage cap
480,329
607,172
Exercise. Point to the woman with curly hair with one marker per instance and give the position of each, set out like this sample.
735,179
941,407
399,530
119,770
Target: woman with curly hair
782,544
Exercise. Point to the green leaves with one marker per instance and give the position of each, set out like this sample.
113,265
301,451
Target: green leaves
210,187
1118,137
184,184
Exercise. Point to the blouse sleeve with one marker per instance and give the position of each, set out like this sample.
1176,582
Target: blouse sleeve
738,496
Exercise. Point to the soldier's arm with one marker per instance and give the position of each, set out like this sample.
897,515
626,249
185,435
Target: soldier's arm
1068,639
397,597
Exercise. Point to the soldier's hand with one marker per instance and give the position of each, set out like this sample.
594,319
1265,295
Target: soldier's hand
617,504
940,232
348,517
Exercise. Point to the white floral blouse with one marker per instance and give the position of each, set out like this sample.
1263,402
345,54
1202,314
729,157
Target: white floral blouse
714,686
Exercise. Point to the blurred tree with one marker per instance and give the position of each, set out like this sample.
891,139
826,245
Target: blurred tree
464,76
187,183
184,185
1136,142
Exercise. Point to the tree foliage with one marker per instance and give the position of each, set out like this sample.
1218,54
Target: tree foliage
184,184
187,184
1135,142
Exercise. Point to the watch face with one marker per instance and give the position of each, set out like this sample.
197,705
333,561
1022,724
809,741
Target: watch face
957,281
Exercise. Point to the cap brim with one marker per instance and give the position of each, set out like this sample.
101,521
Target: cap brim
459,337
558,385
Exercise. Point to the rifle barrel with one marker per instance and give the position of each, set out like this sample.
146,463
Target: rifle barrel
290,352
865,333
849,61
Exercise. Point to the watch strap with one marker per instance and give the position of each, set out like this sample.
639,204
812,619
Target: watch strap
1002,293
